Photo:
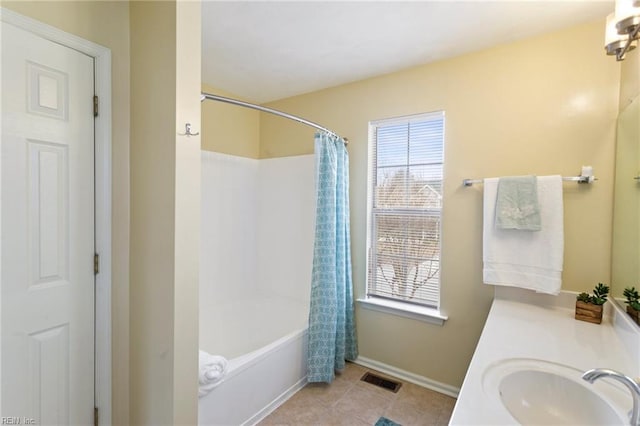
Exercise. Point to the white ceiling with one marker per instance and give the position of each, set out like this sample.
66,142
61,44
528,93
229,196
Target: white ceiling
268,50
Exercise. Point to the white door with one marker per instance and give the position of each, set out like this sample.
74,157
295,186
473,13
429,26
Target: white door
47,230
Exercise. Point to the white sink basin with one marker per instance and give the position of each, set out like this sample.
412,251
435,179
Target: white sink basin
537,392
541,398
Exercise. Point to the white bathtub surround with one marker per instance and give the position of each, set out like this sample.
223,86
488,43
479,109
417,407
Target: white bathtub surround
257,228
256,254
211,372
242,326
286,219
525,325
228,247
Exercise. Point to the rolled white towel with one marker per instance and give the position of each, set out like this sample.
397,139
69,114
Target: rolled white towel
211,372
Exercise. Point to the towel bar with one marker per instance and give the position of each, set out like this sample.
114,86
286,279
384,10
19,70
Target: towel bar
579,179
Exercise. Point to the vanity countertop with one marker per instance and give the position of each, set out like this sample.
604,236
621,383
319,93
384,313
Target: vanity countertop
523,324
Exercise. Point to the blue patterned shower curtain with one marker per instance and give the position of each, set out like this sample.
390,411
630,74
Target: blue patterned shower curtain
332,337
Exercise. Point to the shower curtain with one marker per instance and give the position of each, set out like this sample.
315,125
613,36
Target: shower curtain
332,336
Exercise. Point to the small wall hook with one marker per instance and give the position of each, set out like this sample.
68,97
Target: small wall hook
187,131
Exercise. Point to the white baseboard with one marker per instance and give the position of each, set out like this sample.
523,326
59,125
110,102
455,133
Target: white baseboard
408,377
262,414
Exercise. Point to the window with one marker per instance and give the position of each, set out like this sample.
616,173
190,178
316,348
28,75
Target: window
405,204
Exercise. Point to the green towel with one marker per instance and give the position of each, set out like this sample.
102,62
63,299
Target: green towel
517,204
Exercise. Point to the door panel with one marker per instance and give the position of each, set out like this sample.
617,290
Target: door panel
48,203
47,227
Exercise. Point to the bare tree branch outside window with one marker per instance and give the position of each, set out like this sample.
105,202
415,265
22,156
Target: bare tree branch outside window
407,247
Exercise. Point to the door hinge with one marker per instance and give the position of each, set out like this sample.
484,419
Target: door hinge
96,417
95,105
96,263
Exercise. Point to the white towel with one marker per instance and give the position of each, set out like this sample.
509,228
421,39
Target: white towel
531,260
211,372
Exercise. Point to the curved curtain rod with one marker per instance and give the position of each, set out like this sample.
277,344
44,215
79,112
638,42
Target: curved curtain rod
237,102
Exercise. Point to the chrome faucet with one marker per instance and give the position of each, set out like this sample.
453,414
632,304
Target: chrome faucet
597,373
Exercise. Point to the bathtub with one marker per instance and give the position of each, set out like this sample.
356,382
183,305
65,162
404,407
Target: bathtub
267,354
255,280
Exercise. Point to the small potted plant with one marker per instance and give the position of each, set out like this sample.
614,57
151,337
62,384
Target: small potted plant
633,303
589,307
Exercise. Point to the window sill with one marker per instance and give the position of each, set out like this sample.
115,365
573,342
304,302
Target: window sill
407,310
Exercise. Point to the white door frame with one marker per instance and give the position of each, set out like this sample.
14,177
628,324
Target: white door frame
102,57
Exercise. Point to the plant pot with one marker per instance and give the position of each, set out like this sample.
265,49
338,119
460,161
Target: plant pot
635,315
589,312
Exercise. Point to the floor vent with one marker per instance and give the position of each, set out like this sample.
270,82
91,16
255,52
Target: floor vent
381,382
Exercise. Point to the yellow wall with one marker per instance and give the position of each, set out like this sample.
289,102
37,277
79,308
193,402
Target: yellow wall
187,207
546,105
229,129
152,210
165,205
106,23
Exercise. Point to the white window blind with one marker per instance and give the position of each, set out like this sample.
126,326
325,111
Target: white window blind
405,193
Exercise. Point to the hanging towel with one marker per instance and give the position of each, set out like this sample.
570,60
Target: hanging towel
211,372
531,260
517,204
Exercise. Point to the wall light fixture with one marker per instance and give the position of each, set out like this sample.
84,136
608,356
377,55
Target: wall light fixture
622,28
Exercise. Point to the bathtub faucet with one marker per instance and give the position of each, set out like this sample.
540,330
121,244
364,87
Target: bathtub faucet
633,386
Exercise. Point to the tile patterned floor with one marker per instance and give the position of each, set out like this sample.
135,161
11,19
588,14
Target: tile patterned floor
351,402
